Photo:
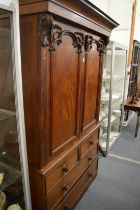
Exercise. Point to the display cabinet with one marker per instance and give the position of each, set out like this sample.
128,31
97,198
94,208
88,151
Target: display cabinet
14,183
112,96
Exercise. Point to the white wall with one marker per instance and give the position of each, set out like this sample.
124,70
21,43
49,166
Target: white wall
137,23
102,4
8,3
120,11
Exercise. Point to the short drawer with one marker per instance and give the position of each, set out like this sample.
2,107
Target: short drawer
62,188
69,202
88,143
58,173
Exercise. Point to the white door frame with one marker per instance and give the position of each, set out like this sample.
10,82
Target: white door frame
13,6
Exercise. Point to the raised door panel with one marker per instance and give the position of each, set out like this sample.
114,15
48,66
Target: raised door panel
91,84
61,55
63,83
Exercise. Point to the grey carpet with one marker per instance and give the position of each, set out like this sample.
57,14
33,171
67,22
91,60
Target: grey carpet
128,146
117,186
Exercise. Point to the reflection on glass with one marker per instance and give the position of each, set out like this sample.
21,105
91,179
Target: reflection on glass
112,96
11,188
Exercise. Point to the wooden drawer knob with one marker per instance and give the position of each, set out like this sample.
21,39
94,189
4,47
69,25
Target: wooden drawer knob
91,142
90,158
90,174
65,168
66,187
66,207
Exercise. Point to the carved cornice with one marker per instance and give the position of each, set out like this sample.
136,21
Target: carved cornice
51,36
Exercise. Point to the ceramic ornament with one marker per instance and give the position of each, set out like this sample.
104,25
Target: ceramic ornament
1,178
14,207
2,200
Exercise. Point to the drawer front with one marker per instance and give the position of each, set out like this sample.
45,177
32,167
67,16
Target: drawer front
78,190
58,192
58,173
88,143
93,151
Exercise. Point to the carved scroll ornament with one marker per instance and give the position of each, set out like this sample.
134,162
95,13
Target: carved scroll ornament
51,36
101,44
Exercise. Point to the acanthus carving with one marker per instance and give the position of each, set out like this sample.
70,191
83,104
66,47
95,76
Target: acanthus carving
101,44
100,47
88,43
80,41
51,36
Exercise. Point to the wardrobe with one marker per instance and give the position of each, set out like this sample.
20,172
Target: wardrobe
62,47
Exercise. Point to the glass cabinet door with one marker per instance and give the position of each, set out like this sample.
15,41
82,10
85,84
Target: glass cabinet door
14,183
112,96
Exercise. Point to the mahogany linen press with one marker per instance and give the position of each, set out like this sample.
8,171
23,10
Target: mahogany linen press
62,47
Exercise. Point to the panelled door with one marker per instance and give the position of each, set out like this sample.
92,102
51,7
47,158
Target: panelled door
91,82
71,61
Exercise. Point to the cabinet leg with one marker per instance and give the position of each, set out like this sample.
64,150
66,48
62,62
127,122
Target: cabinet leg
126,115
137,124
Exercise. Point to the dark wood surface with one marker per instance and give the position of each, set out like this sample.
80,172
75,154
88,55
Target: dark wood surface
79,189
132,106
81,12
61,87
135,106
62,46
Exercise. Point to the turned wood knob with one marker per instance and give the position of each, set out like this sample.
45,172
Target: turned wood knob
66,207
65,168
90,174
91,142
90,158
66,187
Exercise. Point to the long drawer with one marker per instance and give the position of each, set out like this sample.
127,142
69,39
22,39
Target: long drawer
62,188
78,190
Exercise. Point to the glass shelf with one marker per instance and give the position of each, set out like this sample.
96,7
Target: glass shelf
6,114
102,116
115,78
104,123
115,97
103,142
11,175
